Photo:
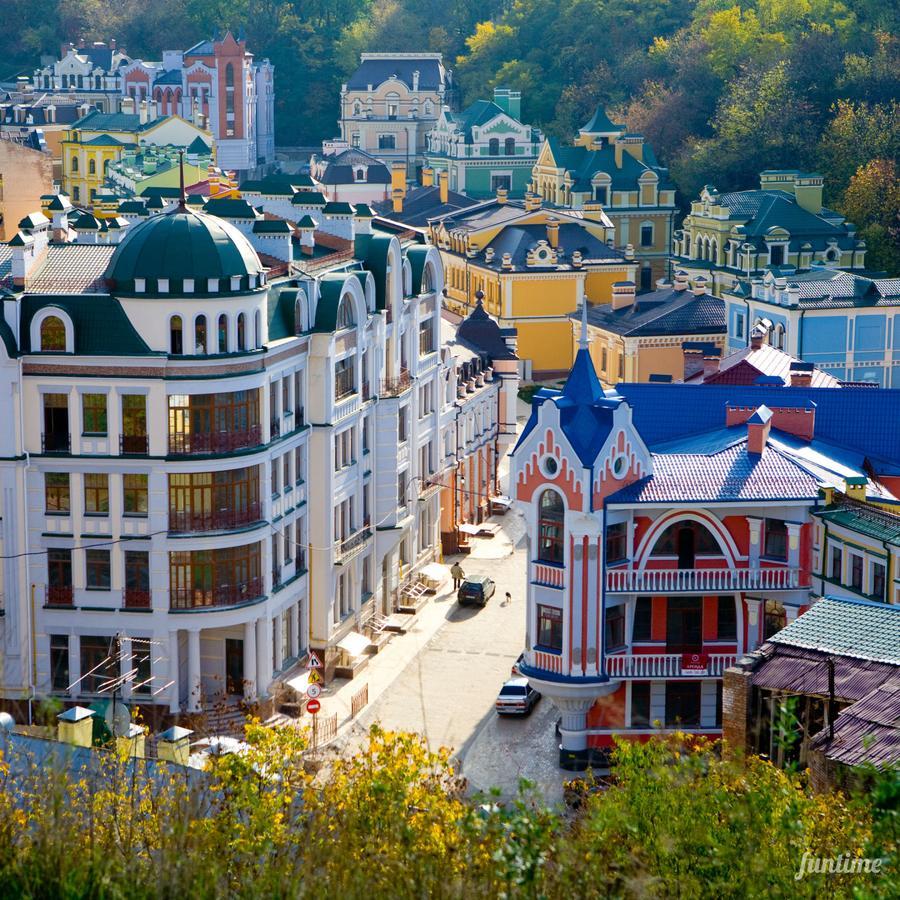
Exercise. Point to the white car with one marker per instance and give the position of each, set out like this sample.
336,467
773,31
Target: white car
517,698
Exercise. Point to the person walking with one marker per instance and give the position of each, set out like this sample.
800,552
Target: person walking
457,573
508,599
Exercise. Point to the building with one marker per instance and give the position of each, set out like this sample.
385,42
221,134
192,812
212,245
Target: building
644,337
149,167
822,693
213,447
742,234
671,532
840,321
351,176
40,119
26,175
608,165
532,267
416,205
391,102
216,84
485,147
99,140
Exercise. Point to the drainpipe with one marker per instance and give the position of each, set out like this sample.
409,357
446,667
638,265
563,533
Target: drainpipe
32,669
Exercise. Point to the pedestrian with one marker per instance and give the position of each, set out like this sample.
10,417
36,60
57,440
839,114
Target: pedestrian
457,573
508,599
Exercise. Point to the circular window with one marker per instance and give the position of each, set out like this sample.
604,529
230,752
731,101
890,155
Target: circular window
550,466
620,465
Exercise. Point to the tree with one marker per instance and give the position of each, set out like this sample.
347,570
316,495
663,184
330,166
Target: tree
872,203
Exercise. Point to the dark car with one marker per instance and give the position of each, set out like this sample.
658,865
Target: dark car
475,589
517,698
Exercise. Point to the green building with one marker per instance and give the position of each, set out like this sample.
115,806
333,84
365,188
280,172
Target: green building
485,147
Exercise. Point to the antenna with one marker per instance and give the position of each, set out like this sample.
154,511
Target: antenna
182,197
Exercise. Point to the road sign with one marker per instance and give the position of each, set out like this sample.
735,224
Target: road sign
313,662
313,691
313,677
313,706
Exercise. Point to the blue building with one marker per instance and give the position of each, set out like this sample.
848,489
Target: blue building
846,324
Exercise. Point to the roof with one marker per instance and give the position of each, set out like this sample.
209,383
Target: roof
230,208
71,269
278,184
374,71
281,302
479,331
746,365
662,312
854,628
105,122
517,240
423,203
340,168
197,146
600,123
330,290
308,198
103,140
583,163
864,519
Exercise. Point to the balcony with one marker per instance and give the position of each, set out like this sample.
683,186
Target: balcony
352,546
184,521
60,595
698,581
668,665
428,487
394,387
134,445
274,427
215,441
136,598
548,575
222,596
56,442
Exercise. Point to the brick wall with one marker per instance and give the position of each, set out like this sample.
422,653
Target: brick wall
736,708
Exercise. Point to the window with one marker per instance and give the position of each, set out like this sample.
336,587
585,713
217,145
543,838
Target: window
727,620
137,578
616,542
176,341
56,423
614,631
59,576
140,653
56,493
640,704
241,332
509,147
392,105
776,254
96,494
223,334
59,662
211,423
856,572
207,501
97,569
646,235
387,142
74,166
682,703
684,540
684,624
92,167
643,612
200,335
343,378
549,628
601,194
93,413
345,318
776,544
877,581
836,559
134,415
426,335
494,147
402,482
354,138
298,465
551,529
229,75
97,663
774,618
739,326
403,424
500,182
53,335
218,577
134,492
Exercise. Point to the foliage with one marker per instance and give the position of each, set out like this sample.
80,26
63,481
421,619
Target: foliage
395,820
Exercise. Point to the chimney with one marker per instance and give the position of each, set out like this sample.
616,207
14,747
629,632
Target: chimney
174,745
618,153
592,211
712,356
855,487
507,261
553,231
623,294
532,202
112,44
128,106
629,251
692,352
758,336
307,228
144,112
132,744
501,98
798,419
801,374
576,259
792,293
699,288
489,254
808,191
427,176
76,726
681,281
758,426
415,84
398,185
502,195
444,185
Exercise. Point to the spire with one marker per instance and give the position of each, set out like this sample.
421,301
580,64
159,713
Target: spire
182,197
583,340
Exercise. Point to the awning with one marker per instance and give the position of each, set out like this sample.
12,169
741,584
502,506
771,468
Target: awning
434,572
354,644
502,500
469,529
299,682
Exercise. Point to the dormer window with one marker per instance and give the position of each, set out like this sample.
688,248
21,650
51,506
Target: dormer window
212,285
235,282
140,285
162,285
188,285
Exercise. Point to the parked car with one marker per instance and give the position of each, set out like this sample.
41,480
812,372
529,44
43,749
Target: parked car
516,698
515,666
475,589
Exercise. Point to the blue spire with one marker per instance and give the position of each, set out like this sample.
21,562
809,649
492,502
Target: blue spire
583,385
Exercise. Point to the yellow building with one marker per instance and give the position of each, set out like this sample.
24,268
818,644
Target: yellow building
643,337
605,164
532,267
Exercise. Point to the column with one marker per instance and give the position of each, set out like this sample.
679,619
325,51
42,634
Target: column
263,654
194,683
174,688
755,540
295,629
279,656
250,661
574,721
754,624
793,530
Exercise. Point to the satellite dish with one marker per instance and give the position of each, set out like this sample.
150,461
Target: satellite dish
118,719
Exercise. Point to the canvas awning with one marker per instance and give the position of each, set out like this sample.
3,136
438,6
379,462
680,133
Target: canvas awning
354,644
470,529
299,682
434,572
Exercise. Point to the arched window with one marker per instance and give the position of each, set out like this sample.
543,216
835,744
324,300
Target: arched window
392,103
779,336
241,332
257,330
429,109
685,540
200,335
345,314
509,147
223,334
494,147
74,163
427,279
551,528
176,337
53,335
92,167
298,316
229,75
832,255
357,109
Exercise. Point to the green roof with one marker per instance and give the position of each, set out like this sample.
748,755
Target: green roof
33,220
372,249
103,140
271,226
101,326
363,211
230,208
8,338
281,303
417,256
278,184
87,222
198,146
20,240
331,288
60,202
865,519
308,198
600,123
338,209
307,222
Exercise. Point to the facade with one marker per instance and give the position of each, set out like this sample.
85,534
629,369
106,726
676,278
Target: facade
391,102
608,165
643,337
485,147
150,167
39,119
743,234
216,84
671,531
351,176
841,321
834,673
532,267
26,175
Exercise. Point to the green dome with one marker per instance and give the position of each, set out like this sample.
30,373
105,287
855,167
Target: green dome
180,245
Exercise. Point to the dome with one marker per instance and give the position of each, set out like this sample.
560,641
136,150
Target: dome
183,244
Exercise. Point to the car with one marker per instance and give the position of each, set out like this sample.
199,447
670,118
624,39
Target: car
516,698
475,589
516,666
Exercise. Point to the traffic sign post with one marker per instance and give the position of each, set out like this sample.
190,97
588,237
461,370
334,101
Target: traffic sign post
313,662
313,706
313,691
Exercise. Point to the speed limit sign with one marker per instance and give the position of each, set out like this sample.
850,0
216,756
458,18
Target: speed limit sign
313,691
